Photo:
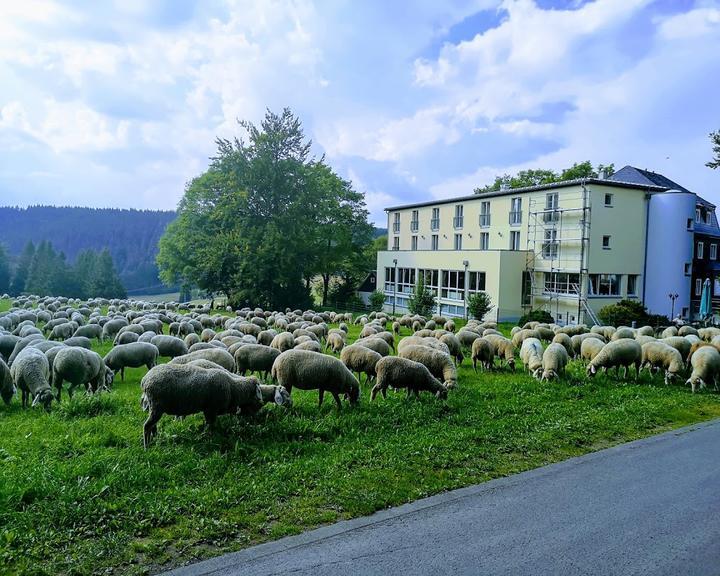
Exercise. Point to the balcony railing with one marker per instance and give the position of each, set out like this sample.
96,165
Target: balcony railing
458,222
484,220
414,224
396,227
515,217
551,215
435,224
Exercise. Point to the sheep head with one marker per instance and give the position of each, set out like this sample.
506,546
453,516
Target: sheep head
442,394
282,396
591,370
44,397
696,383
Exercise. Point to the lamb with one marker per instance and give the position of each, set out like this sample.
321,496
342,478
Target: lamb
453,344
590,348
31,373
335,342
309,371
360,359
255,358
624,352
271,394
80,366
531,354
7,387
554,360
131,355
283,342
396,372
181,390
439,363
663,356
218,355
482,351
170,346
705,368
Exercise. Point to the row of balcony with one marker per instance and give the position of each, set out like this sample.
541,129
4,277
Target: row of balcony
514,218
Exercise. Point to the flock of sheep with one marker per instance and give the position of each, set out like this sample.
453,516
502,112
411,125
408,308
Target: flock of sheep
213,359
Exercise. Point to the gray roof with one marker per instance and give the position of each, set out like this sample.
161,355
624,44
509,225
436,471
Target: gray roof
516,191
639,176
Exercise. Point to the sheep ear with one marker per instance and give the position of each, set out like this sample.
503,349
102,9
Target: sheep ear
36,400
279,398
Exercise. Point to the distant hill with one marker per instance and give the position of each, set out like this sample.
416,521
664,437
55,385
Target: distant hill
131,236
380,232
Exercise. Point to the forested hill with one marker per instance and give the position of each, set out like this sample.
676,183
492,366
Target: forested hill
131,236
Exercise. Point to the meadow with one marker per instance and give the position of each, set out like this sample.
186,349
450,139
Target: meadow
80,495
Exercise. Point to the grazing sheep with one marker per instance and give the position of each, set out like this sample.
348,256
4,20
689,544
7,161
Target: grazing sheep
125,338
112,327
502,348
335,342
669,332
90,331
483,352
7,345
31,373
148,336
554,360
133,355
7,386
687,331
21,345
467,337
578,339
449,326
531,354
310,345
360,359
439,363
255,358
605,331
309,371
645,331
518,337
80,367
622,332
624,352
396,372
705,368
680,344
428,341
79,342
283,342
218,355
170,346
566,342
453,344
709,333
590,348
660,355
377,344
396,327
191,339
271,394
387,336
181,390
63,331
644,339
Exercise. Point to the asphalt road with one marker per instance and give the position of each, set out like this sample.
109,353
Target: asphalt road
647,507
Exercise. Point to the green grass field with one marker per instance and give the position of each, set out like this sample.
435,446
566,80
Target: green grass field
79,495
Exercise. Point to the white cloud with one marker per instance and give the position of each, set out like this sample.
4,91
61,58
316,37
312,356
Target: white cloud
694,23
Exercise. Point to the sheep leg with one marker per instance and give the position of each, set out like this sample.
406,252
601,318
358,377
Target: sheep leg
24,398
122,374
321,395
475,365
377,388
337,400
210,418
150,427
59,385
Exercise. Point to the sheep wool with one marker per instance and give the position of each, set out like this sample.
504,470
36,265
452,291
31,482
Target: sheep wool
624,353
705,368
396,372
439,363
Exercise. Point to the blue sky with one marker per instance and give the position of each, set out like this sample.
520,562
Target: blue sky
119,103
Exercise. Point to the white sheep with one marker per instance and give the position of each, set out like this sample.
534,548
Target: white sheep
439,363
80,367
360,359
31,373
531,354
660,355
624,353
396,372
590,348
483,352
554,360
705,368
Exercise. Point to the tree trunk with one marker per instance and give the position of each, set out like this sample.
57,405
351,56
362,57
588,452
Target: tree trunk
326,286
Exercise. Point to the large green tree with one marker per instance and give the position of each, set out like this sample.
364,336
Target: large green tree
526,178
264,219
715,140
22,269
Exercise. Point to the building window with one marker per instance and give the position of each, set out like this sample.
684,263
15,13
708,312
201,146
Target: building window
606,242
413,243
414,224
435,220
698,286
550,245
698,215
396,222
476,282
389,279
396,243
430,277
484,214
514,240
604,285
453,284
632,284
608,199
434,242
713,251
699,252
458,220
515,211
688,268
406,280
551,205
484,240
561,283
458,241
689,224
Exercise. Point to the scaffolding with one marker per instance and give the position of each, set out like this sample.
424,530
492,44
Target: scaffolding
557,244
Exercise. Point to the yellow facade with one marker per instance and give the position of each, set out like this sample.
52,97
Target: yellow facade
583,246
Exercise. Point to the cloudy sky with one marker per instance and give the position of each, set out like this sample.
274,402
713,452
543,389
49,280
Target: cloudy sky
119,103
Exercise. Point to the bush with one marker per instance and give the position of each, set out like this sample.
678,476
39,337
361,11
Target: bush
656,320
377,300
422,301
624,313
479,304
542,316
